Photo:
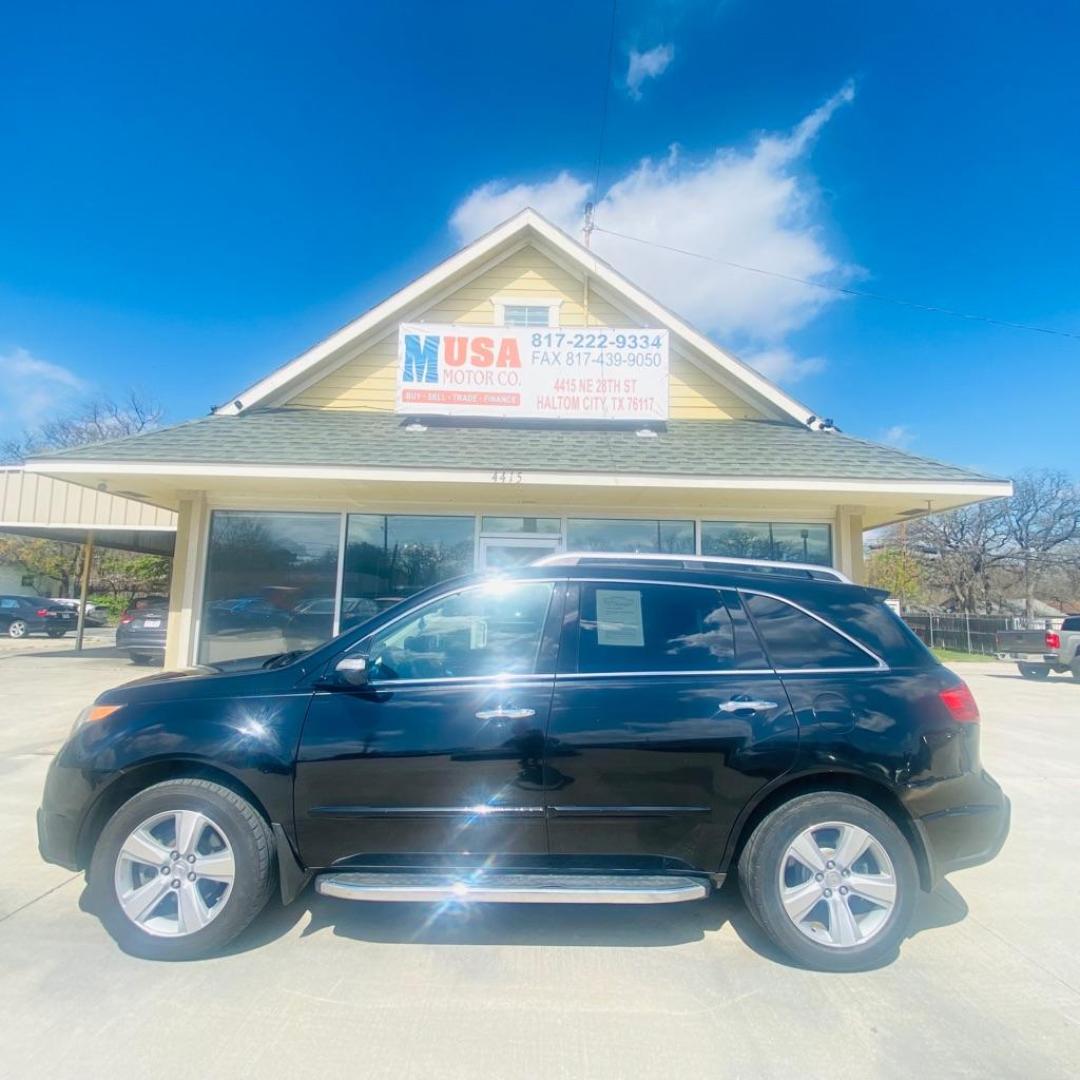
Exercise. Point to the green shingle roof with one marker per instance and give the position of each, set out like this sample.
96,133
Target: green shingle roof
729,448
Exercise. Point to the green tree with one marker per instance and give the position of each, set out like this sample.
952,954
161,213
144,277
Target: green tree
898,571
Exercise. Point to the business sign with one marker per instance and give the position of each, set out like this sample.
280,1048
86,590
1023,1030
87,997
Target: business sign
602,373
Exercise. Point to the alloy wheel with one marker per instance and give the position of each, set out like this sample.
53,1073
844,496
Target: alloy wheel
174,873
17,629
837,884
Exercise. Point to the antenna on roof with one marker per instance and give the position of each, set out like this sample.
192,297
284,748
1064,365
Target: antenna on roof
587,228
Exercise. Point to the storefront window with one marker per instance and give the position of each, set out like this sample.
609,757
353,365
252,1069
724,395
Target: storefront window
270,581
504,526
391,557
784,542
611,534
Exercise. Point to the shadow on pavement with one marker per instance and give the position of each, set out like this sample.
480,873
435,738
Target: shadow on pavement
644,926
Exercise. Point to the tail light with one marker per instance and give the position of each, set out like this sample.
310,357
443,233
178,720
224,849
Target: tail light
126,618
42,612
961,704
1053,639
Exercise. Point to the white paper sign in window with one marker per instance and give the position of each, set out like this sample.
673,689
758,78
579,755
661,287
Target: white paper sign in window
618,618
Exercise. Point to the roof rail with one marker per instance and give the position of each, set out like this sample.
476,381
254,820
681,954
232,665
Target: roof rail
695,562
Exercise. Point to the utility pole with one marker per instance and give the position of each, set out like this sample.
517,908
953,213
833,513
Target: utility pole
84,587
587,228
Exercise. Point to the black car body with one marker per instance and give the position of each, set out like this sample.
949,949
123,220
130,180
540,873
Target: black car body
21,616
141,630
605,720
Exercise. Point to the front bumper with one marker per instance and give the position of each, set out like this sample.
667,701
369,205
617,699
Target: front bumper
57,839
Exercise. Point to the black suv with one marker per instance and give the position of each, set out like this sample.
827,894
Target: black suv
593,731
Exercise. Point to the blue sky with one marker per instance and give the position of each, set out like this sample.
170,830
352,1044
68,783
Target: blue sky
192,195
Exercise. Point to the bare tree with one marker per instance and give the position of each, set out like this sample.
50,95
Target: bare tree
1043,518
961,549
99,420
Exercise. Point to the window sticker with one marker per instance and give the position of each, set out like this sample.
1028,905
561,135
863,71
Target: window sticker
618,618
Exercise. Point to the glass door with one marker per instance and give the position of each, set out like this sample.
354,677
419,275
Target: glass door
502,553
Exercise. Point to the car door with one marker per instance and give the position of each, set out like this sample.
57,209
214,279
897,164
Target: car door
665,721
441,754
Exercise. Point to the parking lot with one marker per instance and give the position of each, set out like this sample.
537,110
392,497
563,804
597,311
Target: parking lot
988,984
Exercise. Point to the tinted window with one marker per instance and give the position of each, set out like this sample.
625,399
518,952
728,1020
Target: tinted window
783,541
491,630
622,534
794,639
261,567
653,628
1071,623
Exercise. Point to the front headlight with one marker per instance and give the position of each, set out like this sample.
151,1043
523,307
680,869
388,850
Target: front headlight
91,714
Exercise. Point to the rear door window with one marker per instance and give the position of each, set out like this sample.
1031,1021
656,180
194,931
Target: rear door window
635,627
795,640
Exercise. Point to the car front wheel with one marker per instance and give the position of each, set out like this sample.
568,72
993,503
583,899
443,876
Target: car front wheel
831,880
180,869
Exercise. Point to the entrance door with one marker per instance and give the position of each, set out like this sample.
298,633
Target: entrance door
503,553
441,753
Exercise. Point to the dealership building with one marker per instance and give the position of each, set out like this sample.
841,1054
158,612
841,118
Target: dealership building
521,398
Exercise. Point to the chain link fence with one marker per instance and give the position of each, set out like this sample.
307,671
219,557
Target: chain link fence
964,633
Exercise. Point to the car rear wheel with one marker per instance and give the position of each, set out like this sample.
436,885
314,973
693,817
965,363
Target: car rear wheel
17,629
180,869
55,633
831,880
141,657
1034,671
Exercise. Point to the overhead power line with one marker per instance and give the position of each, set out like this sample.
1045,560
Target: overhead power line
861,293
605,96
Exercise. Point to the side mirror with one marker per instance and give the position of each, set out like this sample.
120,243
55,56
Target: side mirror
353,670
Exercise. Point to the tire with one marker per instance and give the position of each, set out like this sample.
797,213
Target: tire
818,940
1034,671
141,657
233,828
1074,667
17,629
56,633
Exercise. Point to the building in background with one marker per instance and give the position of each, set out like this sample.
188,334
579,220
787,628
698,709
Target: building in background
519,399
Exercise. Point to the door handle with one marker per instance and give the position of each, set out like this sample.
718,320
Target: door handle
505,714
739,704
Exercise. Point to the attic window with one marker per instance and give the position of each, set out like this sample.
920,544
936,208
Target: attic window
526,315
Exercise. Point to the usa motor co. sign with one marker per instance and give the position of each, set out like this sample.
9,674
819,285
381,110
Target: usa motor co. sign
602,373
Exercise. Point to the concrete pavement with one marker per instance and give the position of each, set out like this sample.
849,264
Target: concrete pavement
988,984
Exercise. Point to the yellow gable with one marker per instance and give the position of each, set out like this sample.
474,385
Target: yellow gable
366,378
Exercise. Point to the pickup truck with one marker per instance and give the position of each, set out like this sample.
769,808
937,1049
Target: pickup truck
1038,652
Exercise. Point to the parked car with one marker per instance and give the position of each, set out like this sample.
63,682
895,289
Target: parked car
568,733
21,616
141,630
93,615
1038,652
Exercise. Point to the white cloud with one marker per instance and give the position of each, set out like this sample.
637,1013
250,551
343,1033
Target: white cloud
899,435
31,389
782,365
650,64
754,206
561,200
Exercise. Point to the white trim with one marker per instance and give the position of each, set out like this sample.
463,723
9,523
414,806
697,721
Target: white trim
984,489
97,526
527,221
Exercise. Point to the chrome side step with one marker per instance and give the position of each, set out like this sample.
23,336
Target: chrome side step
514,888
